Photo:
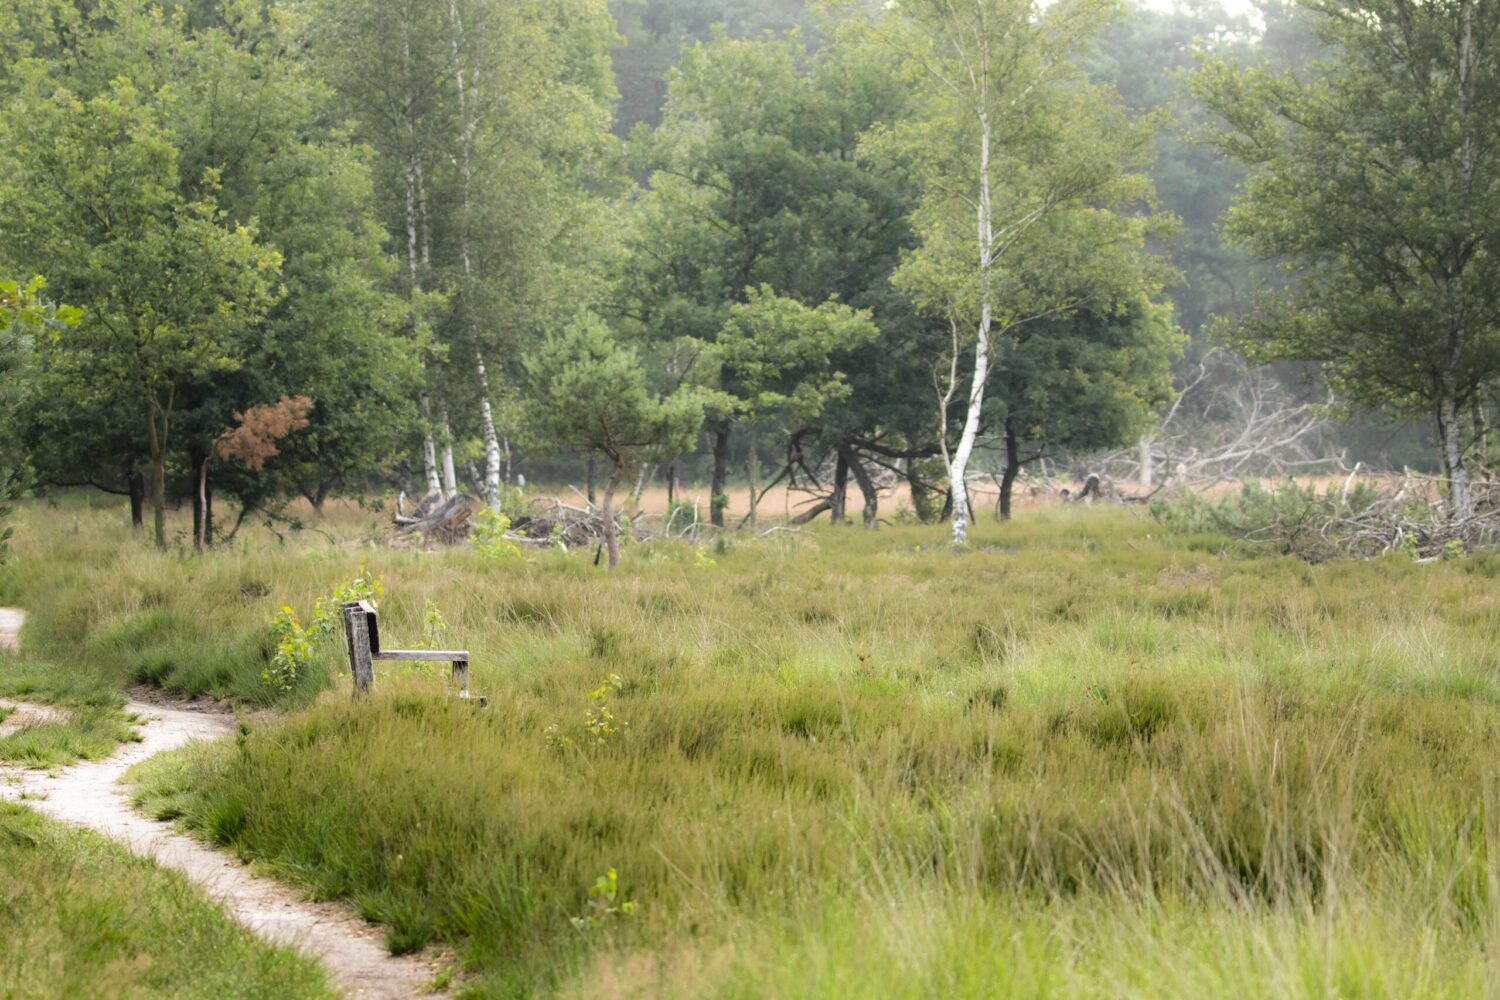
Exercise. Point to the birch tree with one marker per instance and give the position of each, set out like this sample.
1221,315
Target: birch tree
1011,135
1375,181
488,121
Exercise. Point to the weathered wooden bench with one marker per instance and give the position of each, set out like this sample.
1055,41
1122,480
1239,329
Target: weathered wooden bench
362,627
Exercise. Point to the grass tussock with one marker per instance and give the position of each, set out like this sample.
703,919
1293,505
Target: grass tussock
87,732
1078,760
81,918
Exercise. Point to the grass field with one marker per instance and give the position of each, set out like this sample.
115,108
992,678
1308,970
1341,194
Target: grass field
1081,759
81,918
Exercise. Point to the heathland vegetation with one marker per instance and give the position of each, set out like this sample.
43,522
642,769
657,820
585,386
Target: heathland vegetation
1125,763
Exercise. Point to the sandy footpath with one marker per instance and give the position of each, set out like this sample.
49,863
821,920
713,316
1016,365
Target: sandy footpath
88,795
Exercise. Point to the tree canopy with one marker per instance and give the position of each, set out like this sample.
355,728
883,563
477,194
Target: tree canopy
922,243
1373,178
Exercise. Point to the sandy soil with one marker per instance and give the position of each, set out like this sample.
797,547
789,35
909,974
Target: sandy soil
88,795
11,621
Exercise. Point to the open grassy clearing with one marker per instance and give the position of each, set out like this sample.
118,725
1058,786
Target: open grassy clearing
1082,759
81,918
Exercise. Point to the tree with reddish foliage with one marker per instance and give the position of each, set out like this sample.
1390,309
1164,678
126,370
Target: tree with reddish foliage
251,442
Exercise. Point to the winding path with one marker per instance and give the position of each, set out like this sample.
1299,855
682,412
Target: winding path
88,795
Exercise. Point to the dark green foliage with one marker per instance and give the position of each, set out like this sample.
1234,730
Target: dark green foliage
186,182
655,31
591,393
1377,198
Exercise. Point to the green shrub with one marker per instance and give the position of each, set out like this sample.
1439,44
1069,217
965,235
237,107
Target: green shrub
490,530
1291,519
292,647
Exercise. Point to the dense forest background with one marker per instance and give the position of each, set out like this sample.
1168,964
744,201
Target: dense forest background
322,248
1147,56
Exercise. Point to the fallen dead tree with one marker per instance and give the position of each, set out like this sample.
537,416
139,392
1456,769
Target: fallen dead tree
1229,423
550,522
437,520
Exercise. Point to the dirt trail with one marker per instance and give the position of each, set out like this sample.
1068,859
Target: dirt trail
88,795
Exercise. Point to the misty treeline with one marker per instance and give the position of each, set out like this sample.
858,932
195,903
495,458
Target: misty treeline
717,240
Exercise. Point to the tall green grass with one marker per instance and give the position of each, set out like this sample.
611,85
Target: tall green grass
81,918
1080,759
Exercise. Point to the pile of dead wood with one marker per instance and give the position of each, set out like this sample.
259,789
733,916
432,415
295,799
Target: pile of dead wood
437,520
553,522
440,520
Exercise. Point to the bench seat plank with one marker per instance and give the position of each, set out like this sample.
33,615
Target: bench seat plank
421,655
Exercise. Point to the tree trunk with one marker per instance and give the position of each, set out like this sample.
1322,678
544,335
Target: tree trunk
1449,425
1451,432
491,438
429,448
1012,470
958,485
921,502
611,532
1147,462
417,246
492,494
868,490
320,498
510,470
445,443
591,474
135,485
838,502
200,509
718,499
157,484
753,467
1481,436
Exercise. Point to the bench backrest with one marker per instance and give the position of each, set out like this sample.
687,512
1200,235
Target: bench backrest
362,628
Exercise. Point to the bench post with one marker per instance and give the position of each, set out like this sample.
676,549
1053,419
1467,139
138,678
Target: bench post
461,674
361,660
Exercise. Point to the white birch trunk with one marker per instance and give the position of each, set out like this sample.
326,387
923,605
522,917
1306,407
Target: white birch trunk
1451,432
492,493
429,449
1147,460
959,467
445,435
491,438
413,252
